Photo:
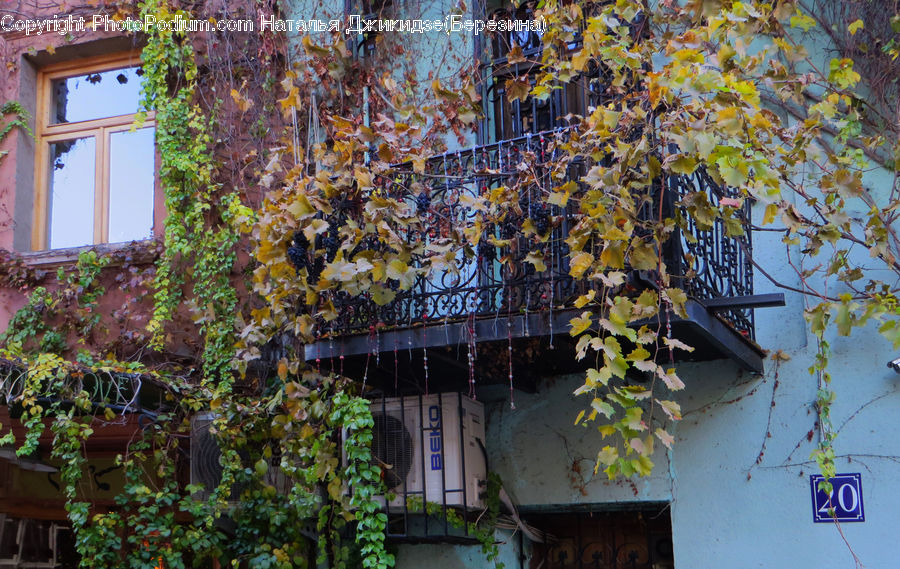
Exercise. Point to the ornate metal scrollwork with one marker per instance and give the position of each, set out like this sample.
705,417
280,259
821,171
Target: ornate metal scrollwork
498,275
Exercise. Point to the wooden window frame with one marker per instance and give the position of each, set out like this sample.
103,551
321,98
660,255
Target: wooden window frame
46,133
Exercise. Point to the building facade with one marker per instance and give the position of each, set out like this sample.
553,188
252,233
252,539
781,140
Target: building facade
737,486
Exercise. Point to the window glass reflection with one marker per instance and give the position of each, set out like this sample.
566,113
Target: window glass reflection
96,95
71,202
131,160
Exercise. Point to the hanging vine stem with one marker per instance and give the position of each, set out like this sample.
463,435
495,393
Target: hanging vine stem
824,454
199,234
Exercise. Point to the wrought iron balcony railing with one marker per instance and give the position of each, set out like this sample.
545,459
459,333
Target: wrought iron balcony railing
490,280
486,303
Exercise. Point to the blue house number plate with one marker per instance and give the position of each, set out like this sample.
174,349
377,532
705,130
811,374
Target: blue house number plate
846,499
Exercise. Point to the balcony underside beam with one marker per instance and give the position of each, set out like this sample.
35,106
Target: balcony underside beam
541,344
744,302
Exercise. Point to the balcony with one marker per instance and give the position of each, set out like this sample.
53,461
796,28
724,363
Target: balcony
490,313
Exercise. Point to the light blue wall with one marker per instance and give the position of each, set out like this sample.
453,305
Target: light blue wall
413,60
436,556
544,460
729,510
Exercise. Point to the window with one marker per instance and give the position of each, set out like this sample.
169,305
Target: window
95,170
604,540
507,120
366,43
36,543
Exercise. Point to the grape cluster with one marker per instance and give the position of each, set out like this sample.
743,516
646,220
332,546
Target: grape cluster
368,243
315,270
540,218
509,229
331,242
297,252
423,202
524,201
486,250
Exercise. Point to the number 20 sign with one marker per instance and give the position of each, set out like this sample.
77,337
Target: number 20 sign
846,501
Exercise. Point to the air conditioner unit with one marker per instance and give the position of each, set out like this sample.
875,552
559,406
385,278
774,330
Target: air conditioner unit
430,449
206,466
206,469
